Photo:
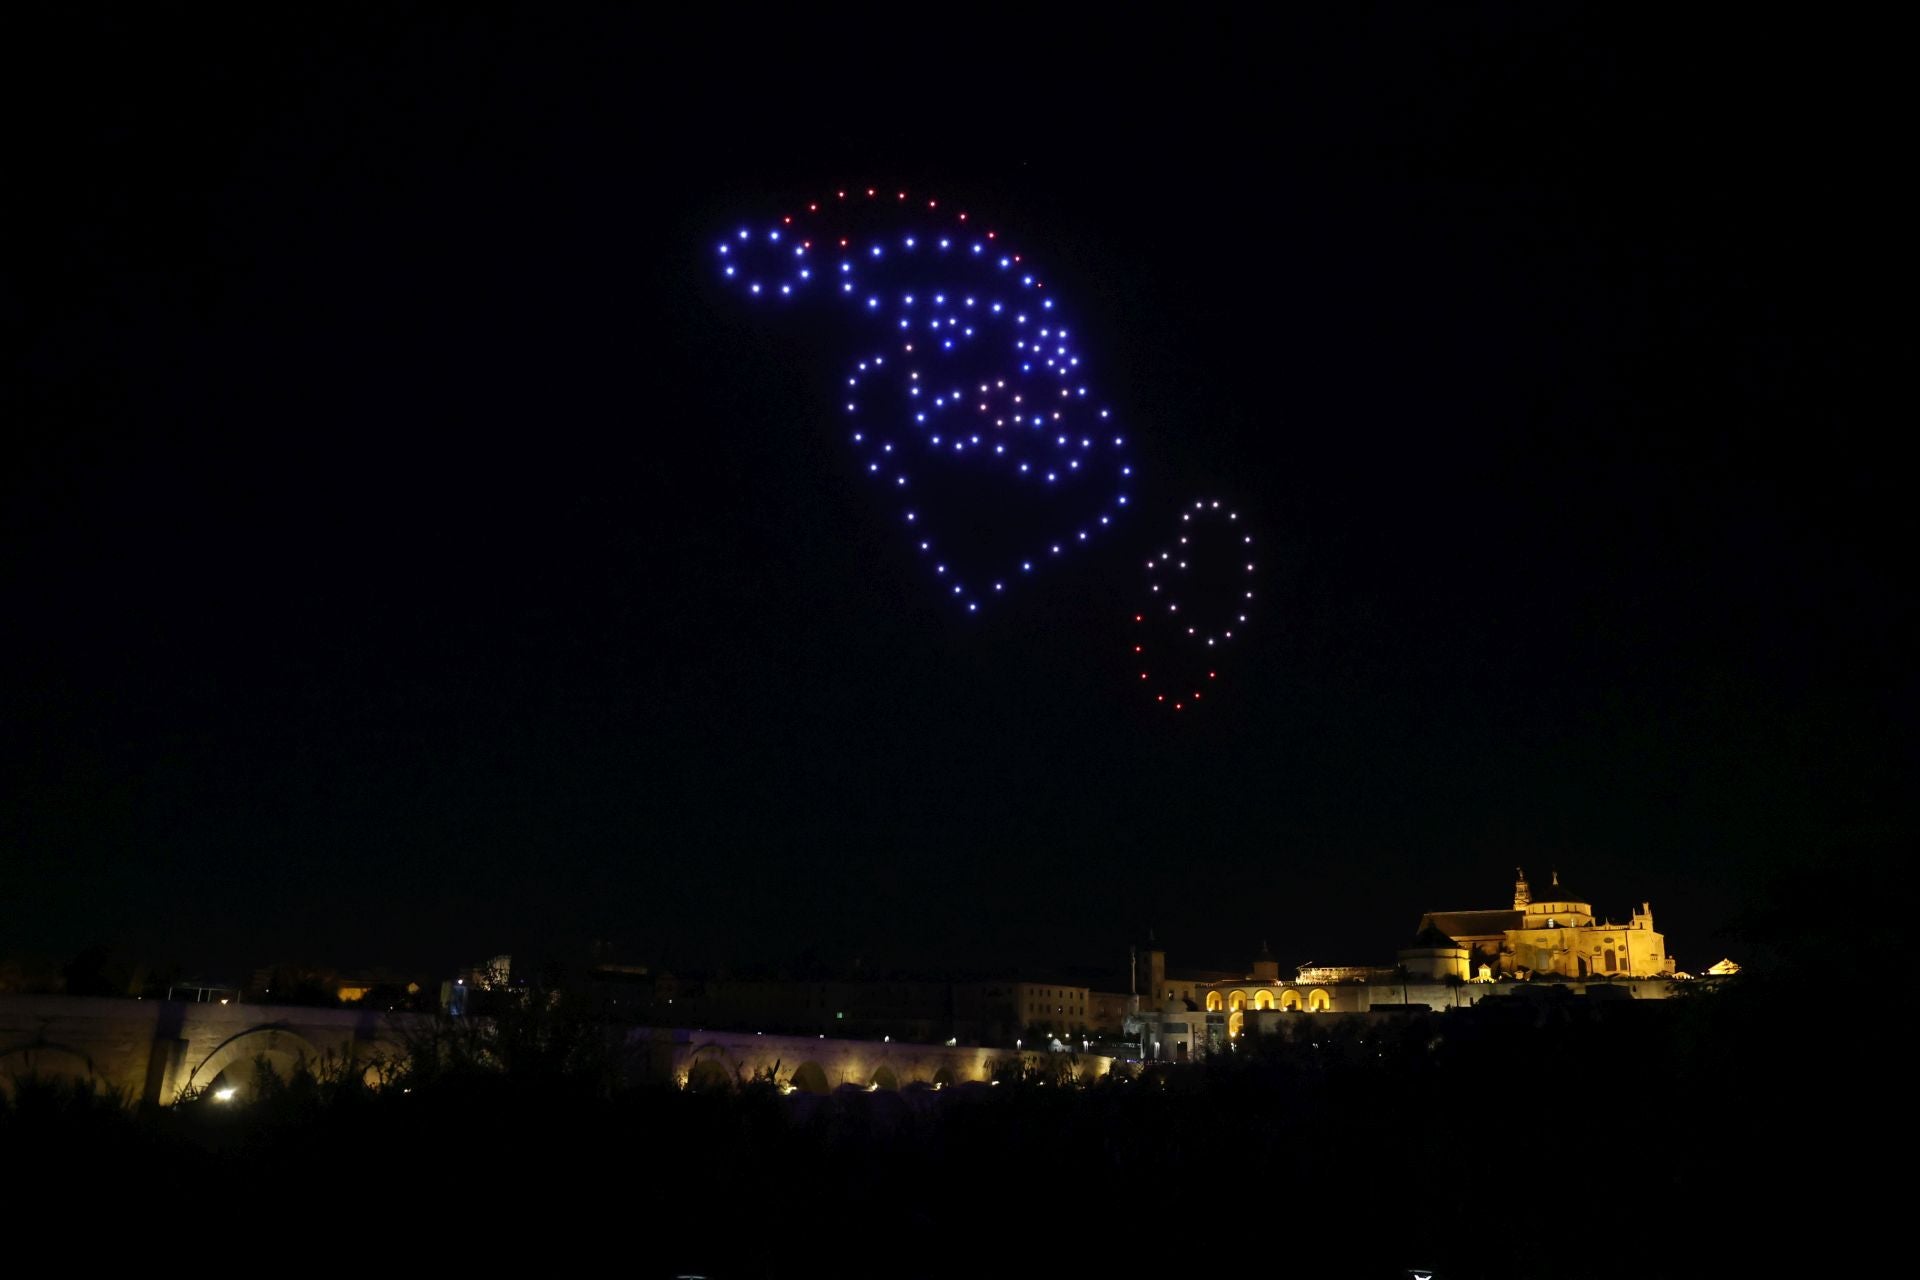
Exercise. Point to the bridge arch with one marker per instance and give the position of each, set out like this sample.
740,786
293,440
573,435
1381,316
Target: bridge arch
884,1078
713,1051
45,1061
231,1063
943,1078
708,1075
809,1077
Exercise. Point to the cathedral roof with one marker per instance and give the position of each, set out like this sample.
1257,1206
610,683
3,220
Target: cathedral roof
1471,924
1432,936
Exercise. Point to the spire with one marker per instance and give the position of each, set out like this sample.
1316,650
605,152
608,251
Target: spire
1522,896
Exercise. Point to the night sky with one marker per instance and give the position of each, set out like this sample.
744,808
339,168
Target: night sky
410,553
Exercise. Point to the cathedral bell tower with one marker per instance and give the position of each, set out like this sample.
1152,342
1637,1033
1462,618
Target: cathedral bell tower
1265,967
1522,896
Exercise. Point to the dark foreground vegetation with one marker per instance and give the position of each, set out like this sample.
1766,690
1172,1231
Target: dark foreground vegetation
1529,1137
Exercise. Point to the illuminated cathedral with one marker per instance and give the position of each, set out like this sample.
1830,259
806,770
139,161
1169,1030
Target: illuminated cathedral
1554,933
1455,958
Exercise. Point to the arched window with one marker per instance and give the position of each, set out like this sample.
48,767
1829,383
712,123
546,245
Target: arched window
1214,1002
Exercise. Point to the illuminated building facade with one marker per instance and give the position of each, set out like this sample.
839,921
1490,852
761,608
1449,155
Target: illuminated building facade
1554,933
1455,959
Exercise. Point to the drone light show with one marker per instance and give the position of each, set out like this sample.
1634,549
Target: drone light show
1200,596
968,404
970,410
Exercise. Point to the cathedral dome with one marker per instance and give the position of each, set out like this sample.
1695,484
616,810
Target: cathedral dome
1556,893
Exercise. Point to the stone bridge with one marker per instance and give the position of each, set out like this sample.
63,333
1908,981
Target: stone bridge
157,1051
719,1059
